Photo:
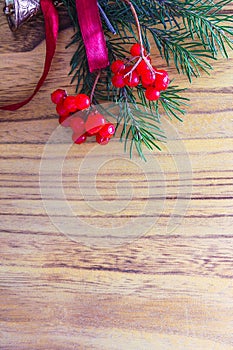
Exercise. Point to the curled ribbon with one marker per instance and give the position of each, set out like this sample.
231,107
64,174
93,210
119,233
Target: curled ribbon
92,33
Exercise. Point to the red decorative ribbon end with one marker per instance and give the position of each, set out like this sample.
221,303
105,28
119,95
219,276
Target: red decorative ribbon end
92,33
51,31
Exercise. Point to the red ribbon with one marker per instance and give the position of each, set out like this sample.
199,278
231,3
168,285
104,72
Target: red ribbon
51,31
92,32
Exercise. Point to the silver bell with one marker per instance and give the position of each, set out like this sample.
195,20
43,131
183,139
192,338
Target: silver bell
19,11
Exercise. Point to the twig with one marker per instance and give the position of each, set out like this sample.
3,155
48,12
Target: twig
137,24
94,85
143,57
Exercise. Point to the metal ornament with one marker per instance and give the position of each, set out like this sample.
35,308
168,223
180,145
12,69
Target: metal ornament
19,11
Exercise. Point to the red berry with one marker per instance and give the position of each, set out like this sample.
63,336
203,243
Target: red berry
102,140
118,80
82,101
146,85
142,67
61,110
152,94
94,123
107,130
70,104
78,125
65,121
148,77
127,69
77,138
58,96
136,50
132,79
162,80
117,66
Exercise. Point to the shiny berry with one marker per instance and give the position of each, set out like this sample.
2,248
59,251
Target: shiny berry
82,101
132,79
127,69
107,130
70,104
61,110
77,124
148,77
162,80
152,94
136,50
117,66
65,121
58,96
118,80
102,140
145,85
78,139
142,67
94,123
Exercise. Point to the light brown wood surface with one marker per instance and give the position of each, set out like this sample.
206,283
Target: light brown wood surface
166,281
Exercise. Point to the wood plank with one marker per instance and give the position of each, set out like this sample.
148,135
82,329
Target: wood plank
166,281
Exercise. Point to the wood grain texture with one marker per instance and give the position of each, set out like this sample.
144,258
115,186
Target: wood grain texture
166,282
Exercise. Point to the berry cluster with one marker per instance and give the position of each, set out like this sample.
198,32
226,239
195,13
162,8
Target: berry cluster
141,71
90,123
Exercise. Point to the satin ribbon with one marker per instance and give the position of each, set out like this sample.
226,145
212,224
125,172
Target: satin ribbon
51,32
92,32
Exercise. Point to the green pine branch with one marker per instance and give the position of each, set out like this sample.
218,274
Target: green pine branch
176,24
187,33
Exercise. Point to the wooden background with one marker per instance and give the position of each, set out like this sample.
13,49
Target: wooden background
160,285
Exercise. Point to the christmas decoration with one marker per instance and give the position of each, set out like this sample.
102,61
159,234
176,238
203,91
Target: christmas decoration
112,61
19,11
90,123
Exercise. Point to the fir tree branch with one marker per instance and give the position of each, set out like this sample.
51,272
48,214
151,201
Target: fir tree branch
188,33
198,21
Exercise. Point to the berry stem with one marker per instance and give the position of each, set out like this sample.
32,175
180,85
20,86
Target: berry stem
143,57
137,25
94,85
133,68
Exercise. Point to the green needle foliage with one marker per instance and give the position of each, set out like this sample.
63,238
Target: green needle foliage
187,33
